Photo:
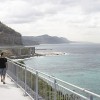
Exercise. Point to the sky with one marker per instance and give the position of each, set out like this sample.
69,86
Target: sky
76,20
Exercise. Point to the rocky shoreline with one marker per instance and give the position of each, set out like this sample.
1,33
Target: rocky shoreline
46,53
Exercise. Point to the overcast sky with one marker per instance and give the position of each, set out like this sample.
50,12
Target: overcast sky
77,20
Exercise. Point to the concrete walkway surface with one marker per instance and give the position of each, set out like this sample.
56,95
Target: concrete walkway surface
9,91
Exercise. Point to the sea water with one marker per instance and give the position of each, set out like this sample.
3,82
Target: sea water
80,64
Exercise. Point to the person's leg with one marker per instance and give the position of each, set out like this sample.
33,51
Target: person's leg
1,74
4,73
1,78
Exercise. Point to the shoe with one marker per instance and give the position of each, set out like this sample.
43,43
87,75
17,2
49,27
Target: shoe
4,83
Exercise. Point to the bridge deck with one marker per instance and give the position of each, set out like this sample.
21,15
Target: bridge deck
9,91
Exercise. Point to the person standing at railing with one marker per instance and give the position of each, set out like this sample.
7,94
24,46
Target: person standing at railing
3,67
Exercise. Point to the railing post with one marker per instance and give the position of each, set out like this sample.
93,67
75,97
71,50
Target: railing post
30,51
25,81
19,52
36,95
17,75
55,89
91,97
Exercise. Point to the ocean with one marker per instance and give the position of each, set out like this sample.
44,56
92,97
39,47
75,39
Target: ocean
79,65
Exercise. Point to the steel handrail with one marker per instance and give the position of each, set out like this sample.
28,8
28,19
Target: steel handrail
39,72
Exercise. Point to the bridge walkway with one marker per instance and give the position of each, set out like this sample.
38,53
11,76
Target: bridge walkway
10,91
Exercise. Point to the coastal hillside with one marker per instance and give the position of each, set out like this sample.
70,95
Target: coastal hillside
9,36
29,40
44,39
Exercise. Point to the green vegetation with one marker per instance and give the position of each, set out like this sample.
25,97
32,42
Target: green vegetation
22,62
45,90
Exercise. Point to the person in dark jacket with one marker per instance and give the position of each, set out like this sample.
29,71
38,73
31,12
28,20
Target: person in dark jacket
3,67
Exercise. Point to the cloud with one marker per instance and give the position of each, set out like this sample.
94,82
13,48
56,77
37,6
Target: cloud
20,8
15,11
77,12
2,1
56,16
91,6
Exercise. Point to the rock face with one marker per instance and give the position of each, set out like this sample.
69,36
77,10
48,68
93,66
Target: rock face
9,36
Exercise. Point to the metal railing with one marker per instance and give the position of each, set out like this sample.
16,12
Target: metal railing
40,86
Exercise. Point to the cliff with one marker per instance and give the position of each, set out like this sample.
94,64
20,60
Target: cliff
9,36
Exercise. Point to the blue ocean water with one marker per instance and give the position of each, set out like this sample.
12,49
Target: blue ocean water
80,65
